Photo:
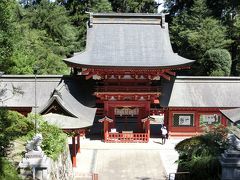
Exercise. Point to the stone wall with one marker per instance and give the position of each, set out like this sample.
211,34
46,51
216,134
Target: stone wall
62,167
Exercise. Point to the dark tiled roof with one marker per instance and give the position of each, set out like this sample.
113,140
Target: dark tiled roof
66,122
127,40
232,114
201,92
81,90
18,90
70,105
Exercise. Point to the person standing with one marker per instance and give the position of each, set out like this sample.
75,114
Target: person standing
164,134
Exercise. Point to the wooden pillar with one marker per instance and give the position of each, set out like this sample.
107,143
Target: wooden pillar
147,125
147,108
78,143
106,110
139,122
170,121
197,122
224,121
105,127
74,160
112,116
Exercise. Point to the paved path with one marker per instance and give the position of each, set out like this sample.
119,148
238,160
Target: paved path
129,164
131,161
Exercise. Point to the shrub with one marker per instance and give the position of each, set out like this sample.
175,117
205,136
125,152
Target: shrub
217,62
7,170
54,140
199,154
12,125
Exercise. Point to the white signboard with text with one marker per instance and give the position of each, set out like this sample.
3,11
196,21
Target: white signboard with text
184,120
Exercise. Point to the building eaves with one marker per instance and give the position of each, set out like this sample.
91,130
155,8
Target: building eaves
199,92
232,114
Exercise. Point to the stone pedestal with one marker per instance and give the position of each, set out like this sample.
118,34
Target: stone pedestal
230,161
38,163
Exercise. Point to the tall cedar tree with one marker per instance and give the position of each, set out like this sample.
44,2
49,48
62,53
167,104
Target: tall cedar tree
6,34
194,31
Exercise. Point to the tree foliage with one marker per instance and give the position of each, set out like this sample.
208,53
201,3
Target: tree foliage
7,170
54,140
12,126
41,33
217,62
6,34
194,31
134,6
202,152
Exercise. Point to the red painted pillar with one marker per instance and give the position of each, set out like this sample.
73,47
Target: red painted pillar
197,122
105,127
78,143
224,121
106,108
74,160
112,116
170,120
148,129
147,108
140,126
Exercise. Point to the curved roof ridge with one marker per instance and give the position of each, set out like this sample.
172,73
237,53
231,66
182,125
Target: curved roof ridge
128,45
129,14
55,97
69,104
66,122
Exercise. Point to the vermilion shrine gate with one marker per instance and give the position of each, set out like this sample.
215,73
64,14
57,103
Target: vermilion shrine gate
127,55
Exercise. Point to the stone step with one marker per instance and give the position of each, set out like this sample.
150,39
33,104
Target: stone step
232,153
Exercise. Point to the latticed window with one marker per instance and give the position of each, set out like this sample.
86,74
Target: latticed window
183,120
209,119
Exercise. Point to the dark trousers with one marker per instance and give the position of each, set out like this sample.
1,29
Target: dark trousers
164,139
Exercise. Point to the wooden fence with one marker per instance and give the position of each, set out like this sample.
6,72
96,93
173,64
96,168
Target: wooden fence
127,137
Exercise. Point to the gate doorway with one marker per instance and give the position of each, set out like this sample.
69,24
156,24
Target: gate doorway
126,123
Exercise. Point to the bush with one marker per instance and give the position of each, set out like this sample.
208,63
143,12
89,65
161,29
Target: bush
199,155
12,126
54,140
217,62
7,170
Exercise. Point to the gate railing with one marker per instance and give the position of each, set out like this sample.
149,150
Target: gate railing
127,137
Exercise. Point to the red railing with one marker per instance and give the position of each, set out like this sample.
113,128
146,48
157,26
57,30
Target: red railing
127,137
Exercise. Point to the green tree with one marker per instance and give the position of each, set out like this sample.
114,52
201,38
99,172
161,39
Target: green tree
54,140
222,8
6,33
44,36
101,6
194,31
234,33
8,171
217,62
202,153
79,16
53,19
12,126
134,6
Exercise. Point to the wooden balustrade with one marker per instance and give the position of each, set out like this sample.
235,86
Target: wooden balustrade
127,137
